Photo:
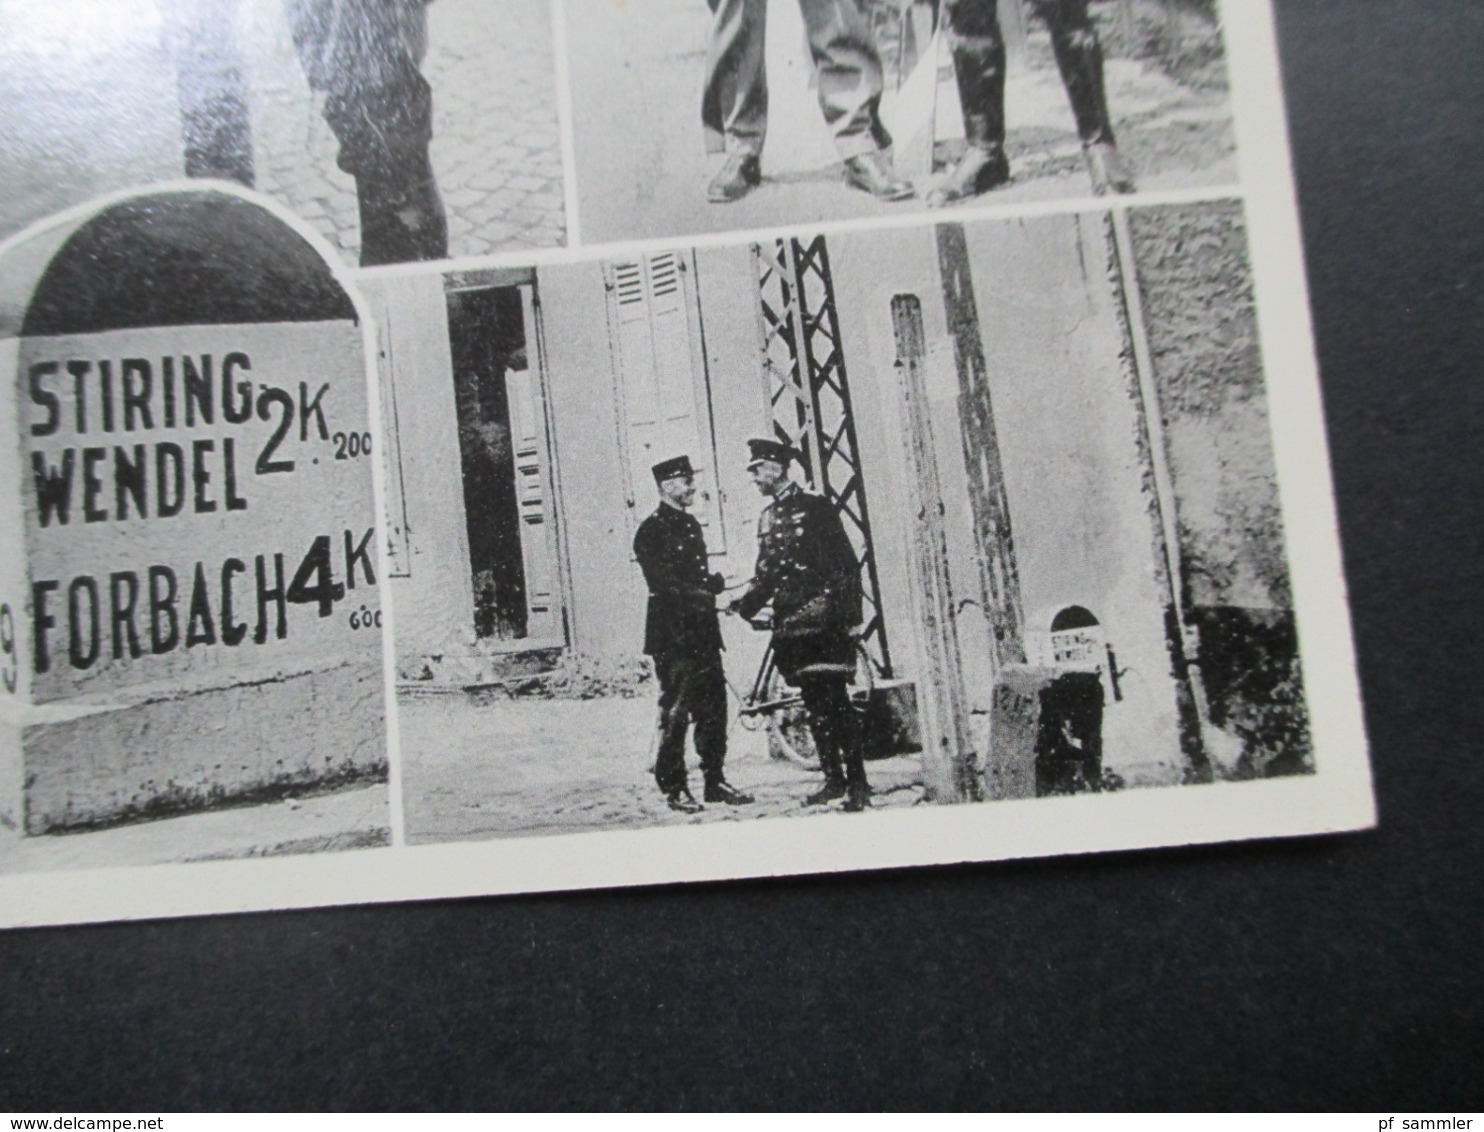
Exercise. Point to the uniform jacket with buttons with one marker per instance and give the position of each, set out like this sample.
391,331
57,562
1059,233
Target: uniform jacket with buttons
805,566
681,618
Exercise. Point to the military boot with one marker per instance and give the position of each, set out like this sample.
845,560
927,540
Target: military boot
873,173
1079,58
980,169
979,70
402,218
1106,169
719,790
834,772
857,789
833,789
741,173
682,801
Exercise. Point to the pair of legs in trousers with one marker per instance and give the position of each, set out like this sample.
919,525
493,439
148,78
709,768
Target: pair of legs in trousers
979,65
693,695
211,86
365,57
837,738
734,105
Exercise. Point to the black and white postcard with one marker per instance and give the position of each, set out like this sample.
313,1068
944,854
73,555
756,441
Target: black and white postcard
459,448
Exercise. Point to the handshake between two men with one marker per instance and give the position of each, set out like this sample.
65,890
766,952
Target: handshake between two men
807,572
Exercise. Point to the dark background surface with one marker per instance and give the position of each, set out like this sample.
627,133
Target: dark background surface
1340,972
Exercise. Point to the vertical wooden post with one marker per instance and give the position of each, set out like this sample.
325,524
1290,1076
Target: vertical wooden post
999,577
948,761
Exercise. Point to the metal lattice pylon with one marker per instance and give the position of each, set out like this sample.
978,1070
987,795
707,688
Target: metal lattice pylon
810,399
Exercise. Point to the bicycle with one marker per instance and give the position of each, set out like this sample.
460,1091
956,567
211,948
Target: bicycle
773,702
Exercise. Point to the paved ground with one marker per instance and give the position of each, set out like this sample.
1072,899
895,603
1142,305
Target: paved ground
496,145
641,170
521,767
347,819
88,114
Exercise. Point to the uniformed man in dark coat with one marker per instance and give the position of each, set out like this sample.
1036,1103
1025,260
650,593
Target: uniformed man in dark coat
683,637
807,569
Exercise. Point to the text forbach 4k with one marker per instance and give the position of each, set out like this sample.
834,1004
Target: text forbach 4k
122,615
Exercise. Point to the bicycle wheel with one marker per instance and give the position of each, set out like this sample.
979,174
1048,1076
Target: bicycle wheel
789,737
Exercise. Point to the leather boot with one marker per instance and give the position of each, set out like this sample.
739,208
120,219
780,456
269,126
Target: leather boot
682,801
873,173
721,791
832,789
829,761
1106,169
980,169
1079,58
979,72
741,173
853,758
402,218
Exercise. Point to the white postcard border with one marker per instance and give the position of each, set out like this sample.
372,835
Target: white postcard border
1337,797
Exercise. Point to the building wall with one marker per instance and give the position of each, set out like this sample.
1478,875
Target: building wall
1196,285
608,596
1079,492
1068,431
1066,413
605,615
1200,311
739,392
433,603
604,593
726,284
868,273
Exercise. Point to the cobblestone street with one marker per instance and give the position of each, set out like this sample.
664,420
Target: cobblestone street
523,767
496,147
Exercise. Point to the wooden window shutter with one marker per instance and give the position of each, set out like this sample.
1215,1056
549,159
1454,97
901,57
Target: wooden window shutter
663,400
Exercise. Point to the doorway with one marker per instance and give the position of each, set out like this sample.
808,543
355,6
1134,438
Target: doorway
503,453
